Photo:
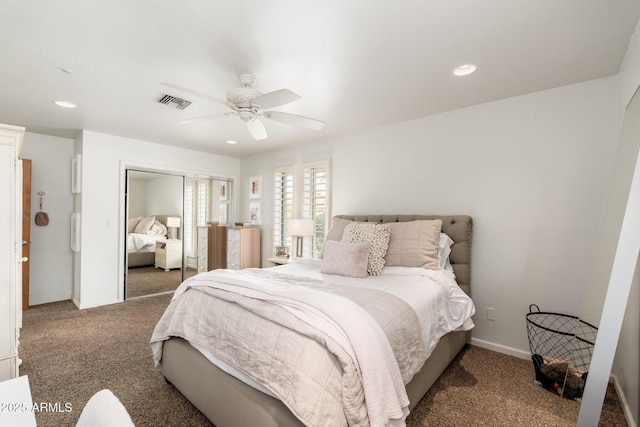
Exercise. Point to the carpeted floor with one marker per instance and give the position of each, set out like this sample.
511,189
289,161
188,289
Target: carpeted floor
71,354
148,280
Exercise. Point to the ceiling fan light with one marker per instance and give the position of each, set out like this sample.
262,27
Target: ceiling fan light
464,70
242,96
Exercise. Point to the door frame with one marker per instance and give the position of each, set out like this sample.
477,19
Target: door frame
26,230
167,170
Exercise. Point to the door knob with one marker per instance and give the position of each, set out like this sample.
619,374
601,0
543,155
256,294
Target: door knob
24,259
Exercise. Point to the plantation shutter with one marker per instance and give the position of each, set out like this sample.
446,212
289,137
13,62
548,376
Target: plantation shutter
188,236
203,204
315,204
282,204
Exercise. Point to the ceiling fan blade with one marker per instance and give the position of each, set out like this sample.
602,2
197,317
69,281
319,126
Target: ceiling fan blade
203,118
293,119
195,92
257,130
276,98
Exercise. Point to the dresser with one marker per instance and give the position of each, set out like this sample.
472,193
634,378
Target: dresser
243,248
10,249
212,247
169,254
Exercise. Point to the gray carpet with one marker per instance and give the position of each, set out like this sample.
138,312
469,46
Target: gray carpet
70,354
148,280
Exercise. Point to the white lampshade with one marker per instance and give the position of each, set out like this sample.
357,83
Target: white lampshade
300,227
173,221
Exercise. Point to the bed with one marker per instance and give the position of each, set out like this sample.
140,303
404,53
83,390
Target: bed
233,391
142,234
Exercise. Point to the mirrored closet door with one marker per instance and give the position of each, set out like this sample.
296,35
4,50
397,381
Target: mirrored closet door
154,233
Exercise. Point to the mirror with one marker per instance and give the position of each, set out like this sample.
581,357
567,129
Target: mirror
154,249
158,262
613,269
207,201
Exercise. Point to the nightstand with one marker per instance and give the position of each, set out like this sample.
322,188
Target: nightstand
169,254
281,260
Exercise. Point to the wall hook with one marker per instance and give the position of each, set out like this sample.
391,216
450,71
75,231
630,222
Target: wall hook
41,194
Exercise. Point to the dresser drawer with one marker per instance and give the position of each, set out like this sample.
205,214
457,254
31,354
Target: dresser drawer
233,261
233,236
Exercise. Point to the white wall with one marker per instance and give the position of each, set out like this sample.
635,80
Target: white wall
532,171
103,223
164,195
137,198
51,272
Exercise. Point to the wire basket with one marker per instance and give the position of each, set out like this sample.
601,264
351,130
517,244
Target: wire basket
561,347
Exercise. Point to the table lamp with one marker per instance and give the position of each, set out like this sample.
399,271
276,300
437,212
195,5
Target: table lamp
299,228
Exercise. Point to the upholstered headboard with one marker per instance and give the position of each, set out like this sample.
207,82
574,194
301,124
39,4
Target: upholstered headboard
162,219
458,227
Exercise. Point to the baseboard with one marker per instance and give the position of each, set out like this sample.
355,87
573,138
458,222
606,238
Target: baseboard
96,304
623,401
520,354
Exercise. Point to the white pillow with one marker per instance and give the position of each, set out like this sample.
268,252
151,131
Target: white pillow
346,259
157,229
145,225
132,223
444,250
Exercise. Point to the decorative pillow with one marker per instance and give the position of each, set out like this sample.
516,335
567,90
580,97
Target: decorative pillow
377,235
414,244
335,232
345,259
157,229
145,225
444,250
132,223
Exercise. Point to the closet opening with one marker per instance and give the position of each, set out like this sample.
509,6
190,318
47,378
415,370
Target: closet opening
163,213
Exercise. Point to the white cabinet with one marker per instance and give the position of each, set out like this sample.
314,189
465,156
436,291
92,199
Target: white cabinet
10,249
169,254
203,252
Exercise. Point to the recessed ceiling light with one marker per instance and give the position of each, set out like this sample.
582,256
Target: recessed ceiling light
464,70
65,104
231,141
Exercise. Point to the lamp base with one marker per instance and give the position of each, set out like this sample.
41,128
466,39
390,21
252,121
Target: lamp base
298,247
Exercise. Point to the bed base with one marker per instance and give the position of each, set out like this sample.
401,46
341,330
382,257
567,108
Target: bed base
229,402
141,259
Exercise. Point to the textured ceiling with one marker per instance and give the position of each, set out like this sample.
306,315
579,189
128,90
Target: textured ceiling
357,64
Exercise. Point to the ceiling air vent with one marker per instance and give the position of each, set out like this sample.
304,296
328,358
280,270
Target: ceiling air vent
179,103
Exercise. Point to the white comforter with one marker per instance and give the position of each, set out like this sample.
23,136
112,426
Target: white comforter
440,307
439,303
137,242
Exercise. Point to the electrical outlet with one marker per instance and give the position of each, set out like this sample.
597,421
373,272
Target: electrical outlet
491,313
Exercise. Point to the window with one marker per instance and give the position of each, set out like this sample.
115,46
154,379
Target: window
196,212
302,191
282,204
315,205
203,203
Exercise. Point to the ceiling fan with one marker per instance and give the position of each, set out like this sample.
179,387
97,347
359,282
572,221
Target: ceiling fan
250,105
